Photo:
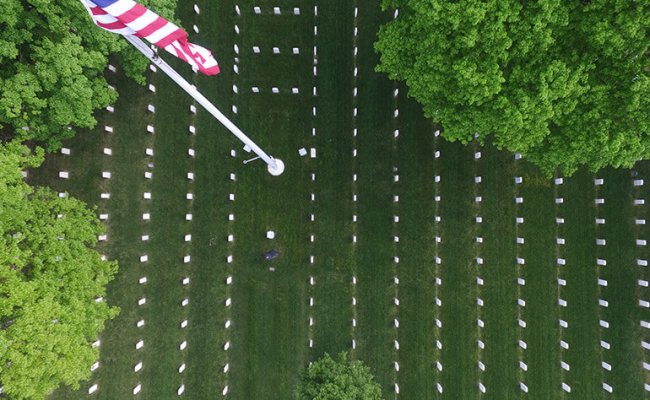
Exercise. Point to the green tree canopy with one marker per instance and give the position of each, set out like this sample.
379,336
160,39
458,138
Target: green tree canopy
565,83
52,60
50,279
338,379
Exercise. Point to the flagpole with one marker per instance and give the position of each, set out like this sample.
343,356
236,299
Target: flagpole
275,166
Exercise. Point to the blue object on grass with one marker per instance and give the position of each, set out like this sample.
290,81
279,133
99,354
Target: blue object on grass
271,254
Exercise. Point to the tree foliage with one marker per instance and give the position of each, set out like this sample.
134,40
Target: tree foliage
52,60
338,379
50,278
565,83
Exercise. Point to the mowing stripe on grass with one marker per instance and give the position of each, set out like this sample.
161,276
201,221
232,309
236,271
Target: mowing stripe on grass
459,356
333,207
582,314
374,250
416,249
205,376
167,227
621,274
333,189
269,308
641,174
498,208
540,291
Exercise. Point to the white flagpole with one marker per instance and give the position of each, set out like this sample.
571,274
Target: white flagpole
275,166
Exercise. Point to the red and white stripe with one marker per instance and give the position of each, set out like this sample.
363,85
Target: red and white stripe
127,17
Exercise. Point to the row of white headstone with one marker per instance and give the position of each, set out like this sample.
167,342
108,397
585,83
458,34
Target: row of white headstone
479,280
102,216
353,289
642,283
65,175
312,152
521,281
643,301
520,261
274,90
187,238
561,282
144,258
258,10
396,239
437,260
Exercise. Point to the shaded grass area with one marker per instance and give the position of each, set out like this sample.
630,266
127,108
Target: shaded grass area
87,162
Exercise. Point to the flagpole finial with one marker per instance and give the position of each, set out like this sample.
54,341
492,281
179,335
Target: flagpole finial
278,169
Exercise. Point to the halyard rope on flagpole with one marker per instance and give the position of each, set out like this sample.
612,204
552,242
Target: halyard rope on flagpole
275,166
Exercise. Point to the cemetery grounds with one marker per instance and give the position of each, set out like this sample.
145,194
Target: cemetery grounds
453,272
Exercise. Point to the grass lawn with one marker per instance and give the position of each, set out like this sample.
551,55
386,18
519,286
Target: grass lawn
459,328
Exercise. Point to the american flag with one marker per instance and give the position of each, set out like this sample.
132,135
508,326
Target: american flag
127,17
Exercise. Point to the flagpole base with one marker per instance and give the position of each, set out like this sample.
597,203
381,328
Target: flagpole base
279,168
